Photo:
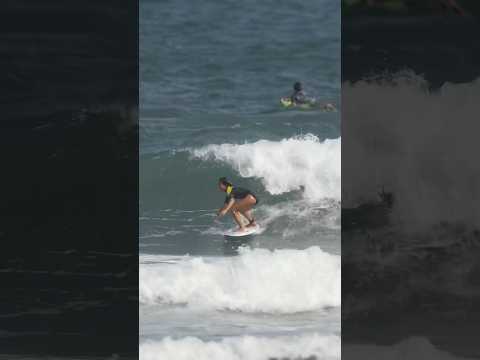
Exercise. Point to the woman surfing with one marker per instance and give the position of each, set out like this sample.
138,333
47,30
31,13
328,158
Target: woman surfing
239,201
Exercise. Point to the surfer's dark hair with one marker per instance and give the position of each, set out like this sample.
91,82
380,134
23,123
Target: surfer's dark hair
223,180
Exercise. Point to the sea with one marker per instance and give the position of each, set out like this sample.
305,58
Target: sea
211,77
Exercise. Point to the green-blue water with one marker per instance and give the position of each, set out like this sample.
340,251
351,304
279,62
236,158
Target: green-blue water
211,76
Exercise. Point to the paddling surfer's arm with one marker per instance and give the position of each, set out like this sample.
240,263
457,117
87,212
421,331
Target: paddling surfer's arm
226,208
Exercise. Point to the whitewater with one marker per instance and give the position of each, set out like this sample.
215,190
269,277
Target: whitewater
209,108
293,281
302,162
280,291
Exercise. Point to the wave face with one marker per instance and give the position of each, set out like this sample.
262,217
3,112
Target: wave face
293,281
244,348
302,162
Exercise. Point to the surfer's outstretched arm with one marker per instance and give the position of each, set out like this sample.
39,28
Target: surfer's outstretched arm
226,208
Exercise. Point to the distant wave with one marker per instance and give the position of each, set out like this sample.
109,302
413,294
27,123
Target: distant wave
244,348
286,165
259,280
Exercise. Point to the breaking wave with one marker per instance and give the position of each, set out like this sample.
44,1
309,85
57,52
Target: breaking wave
258,280
302,162
312,346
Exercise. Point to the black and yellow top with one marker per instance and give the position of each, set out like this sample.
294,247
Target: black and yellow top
237,193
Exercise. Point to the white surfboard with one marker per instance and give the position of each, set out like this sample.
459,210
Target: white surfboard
236,233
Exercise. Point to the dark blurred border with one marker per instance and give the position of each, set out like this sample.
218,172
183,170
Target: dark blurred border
69,178
391,295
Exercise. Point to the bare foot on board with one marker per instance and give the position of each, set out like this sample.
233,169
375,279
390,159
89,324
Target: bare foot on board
252,224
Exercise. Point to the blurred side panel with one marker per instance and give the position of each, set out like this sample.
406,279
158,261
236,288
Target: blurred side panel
410,179
69,178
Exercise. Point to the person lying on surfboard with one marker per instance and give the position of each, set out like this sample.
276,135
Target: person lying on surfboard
239,202
299,97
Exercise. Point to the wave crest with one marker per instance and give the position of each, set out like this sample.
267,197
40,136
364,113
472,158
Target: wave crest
259,280
302,162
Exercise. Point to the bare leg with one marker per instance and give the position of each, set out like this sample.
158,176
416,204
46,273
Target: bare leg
248,215
244,206
238,219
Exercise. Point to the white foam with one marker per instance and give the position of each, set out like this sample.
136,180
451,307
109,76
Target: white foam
258,280
243,348
285,165
297,217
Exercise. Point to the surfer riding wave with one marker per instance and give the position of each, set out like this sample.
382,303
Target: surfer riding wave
239,202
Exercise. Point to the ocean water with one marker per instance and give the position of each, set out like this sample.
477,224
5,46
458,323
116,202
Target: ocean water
211,76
